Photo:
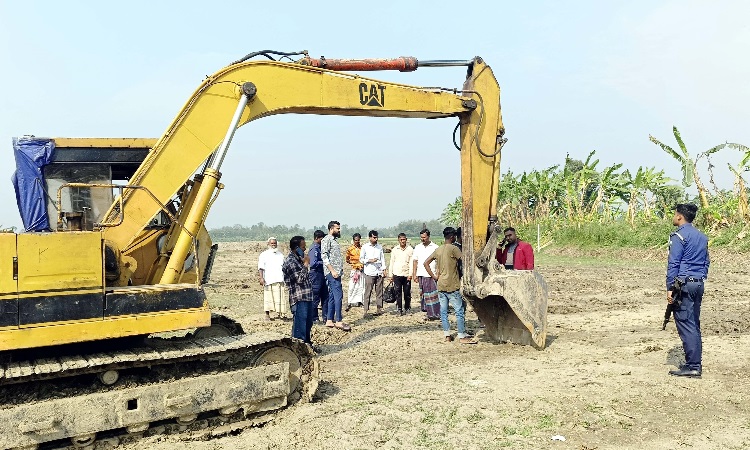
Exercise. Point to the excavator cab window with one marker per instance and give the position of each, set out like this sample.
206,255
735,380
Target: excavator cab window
95,161
84,204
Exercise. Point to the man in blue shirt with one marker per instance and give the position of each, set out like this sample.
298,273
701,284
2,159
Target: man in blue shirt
688,261
317,277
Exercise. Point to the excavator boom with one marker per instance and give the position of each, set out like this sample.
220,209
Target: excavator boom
281,88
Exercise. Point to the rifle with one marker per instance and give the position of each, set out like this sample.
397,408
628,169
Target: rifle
676,290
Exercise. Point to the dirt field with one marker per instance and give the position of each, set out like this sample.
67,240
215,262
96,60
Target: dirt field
601,382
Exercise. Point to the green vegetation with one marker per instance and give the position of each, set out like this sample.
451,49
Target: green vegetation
475,418
546,422
581,205
520,431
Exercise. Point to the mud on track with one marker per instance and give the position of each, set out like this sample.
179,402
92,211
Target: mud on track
601,382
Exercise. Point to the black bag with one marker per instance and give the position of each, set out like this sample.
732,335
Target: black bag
389,293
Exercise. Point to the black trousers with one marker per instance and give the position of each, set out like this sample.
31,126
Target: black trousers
401,284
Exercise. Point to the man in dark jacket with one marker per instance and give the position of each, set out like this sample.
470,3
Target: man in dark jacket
317,277
515,253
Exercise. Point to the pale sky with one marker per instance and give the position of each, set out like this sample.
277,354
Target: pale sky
575,76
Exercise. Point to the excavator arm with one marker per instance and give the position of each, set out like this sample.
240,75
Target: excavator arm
202,132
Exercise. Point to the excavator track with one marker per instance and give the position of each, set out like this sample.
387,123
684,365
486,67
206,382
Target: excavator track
173,385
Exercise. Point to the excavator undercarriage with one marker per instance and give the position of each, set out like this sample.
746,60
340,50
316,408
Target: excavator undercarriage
70,398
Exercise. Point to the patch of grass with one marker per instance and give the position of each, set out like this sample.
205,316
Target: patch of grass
364,417
353,404
520,431
615,234
451,417
424,439
475,417
594,408
503,443
625,425
429,417
546,422
419,370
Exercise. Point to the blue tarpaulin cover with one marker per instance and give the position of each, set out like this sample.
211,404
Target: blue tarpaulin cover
31,155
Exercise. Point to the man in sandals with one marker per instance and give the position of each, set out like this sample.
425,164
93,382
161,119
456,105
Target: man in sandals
333,267
272,280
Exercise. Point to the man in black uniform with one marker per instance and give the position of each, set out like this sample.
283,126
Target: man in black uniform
688,262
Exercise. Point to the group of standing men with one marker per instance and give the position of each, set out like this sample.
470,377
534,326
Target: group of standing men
314,279
369,271
311,279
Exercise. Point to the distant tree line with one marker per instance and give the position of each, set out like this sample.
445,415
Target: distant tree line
261,231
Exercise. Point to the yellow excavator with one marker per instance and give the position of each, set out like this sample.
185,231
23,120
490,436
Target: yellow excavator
105,268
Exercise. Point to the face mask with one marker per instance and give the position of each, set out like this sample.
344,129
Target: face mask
300,252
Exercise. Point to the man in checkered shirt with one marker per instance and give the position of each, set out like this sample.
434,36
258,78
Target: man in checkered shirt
297,280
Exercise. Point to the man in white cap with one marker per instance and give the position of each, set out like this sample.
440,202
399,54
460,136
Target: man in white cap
272,280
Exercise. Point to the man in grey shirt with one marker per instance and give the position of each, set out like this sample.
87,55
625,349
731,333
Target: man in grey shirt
333,268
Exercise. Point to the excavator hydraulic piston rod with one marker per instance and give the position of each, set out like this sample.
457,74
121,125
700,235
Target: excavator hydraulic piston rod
402,64
445,63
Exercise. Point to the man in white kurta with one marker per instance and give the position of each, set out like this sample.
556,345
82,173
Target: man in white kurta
272,280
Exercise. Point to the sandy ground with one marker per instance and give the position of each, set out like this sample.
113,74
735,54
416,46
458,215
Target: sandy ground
601,382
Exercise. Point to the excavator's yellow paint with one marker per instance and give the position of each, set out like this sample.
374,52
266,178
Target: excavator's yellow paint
58,333
59,261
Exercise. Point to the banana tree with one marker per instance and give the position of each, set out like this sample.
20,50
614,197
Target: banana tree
579,186
636,184
612,186
688,165
544,187
452,213
743,212
508,194
654,181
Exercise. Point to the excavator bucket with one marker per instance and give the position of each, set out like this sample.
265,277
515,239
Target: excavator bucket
516,309
511,304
